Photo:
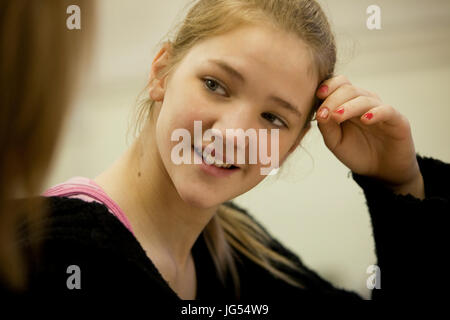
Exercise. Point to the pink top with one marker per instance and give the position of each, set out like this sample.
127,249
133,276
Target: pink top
89,191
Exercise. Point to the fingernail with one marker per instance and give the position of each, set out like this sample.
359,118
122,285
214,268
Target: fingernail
368,115
323,113
323,88
340,110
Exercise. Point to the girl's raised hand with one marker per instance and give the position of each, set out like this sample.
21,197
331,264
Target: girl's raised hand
369,137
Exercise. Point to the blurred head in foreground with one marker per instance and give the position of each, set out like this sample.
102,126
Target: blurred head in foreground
40,58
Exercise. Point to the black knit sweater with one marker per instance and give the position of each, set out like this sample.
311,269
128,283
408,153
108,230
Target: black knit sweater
410,240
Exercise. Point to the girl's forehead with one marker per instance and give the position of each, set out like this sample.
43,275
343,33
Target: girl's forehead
255,47
256,41
274,66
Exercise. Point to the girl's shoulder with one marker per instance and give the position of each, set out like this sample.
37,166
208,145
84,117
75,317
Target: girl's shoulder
80,220
75,236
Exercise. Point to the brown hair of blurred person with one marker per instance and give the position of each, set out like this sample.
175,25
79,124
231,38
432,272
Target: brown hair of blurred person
39,70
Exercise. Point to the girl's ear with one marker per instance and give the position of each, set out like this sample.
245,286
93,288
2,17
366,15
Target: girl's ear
156,85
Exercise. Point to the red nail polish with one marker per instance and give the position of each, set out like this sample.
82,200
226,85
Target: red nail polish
323,89
340,110
368,115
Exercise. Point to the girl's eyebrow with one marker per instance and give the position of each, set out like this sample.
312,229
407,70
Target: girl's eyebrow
229,69
237,75
284,104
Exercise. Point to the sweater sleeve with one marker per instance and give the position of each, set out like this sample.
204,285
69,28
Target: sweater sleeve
410,234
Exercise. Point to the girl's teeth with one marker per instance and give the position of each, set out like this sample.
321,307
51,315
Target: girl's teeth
212,161
222,165
209,159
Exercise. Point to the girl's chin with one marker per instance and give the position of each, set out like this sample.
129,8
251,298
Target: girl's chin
202,200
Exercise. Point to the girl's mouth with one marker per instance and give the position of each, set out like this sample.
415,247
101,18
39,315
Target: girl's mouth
215,169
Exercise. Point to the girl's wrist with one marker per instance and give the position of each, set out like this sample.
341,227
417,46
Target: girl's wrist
415,187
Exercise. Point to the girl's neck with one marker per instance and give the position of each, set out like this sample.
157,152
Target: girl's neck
163,223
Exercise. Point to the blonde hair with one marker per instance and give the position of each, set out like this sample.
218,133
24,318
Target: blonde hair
230,229
39,60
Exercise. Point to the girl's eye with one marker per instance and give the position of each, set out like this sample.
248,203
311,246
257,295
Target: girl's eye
212,85
274,119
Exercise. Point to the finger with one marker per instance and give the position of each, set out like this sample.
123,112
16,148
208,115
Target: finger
373,94
331,133
341,96
354,108
383,113
330,85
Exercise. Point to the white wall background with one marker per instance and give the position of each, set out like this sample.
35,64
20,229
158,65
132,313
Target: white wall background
314,209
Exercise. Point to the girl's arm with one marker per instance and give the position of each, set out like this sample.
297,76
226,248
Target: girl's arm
411,234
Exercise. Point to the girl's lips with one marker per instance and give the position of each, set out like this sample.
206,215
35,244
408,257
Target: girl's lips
212,169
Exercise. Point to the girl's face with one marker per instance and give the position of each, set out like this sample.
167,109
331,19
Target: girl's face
271,63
